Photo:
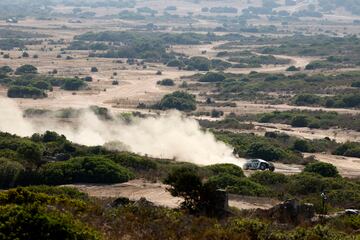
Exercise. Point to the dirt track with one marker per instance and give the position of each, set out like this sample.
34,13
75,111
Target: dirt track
157,193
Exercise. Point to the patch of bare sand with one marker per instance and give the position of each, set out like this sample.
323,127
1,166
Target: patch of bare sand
157,193
244,107
347,166
339,135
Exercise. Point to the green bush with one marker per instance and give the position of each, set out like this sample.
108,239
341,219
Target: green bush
25,92
324,169
300,121
166,82
212,77
231,169
33,222
238,185
306,99
264,151
354,84
133,161
10,172
269,178
301,145
26,69
178,100
85,170
73,84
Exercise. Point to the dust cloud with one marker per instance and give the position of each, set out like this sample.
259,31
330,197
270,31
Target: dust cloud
171,136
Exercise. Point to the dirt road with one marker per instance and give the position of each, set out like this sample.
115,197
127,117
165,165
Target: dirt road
157,194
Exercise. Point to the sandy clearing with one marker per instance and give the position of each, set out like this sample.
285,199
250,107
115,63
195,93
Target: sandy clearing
347,166
244,107
212,50
339,135
157,193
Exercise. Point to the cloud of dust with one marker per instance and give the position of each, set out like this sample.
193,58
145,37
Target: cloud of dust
171,136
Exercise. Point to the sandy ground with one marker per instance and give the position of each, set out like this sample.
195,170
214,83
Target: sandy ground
157,193
347,166
339,135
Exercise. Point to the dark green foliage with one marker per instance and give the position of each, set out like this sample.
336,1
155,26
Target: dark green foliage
212,77
26,69
301,145
319,65
198,63
292,69
35,223
178,100
324,169
166,82
187,184
42,85
219,169
350,149
73,84
133,161
259,86
176,63
338,101
306,99
150,46
238,185
252,146
341,51
10,171
300,121
356,84
27,214
85,170
9,44
314,119
269,178
25,92
265,151
5,70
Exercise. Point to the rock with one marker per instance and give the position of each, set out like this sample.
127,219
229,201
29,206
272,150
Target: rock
291,211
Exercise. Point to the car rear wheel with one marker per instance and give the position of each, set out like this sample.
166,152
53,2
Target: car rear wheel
262,167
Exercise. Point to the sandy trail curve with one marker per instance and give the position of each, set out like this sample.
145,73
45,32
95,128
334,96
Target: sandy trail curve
157,194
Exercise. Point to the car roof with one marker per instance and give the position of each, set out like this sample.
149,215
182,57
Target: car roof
257,160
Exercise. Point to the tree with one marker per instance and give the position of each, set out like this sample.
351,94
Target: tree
10,171
264,151
187,184
179,100
94,69
5,70
324,169
73,84
301,145
300,121
26,69
212,77
25,92
198,197
31,152
166,82
25,55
